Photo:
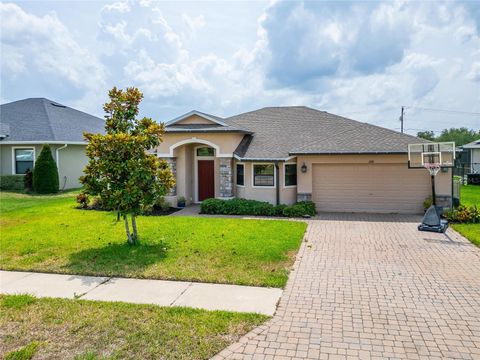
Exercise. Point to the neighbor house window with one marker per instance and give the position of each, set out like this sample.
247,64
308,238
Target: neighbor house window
241,174
290,174
205,151
263,175
23,160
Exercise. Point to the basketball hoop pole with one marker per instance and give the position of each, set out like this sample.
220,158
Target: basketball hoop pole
434,202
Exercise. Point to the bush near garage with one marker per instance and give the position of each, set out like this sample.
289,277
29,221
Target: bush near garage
463,214
256,208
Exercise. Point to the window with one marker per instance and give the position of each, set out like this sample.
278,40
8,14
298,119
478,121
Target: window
205,151
290,174
23,159
241,174
263,175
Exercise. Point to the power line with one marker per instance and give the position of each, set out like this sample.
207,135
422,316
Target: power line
456,112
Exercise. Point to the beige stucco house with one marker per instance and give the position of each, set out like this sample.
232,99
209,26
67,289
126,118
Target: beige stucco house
26,125
289,154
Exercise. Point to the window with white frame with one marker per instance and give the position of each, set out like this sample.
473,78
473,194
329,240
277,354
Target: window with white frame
290,174
23,160
241,174
263,175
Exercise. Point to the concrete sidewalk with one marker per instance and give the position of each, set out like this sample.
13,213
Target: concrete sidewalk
141,291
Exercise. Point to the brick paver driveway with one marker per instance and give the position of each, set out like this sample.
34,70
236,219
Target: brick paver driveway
367,286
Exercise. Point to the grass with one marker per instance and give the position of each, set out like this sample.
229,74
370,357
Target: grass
78,329
47,234
469,195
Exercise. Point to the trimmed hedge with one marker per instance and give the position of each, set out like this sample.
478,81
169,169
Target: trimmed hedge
256,208
45,173
12,182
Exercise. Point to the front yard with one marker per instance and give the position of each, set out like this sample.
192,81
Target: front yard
47,234
77,329
469,195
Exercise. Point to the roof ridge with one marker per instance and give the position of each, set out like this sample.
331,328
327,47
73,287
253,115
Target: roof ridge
48,118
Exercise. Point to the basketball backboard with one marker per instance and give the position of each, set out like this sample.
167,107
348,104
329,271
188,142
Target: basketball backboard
426,154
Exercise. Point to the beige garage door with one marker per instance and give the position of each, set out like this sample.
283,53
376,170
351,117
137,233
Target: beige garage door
383,188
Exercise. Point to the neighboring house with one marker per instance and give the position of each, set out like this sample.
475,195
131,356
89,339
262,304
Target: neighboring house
26,125
289,154
474,149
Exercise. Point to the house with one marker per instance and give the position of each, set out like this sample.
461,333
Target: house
474,149
26,125
289,154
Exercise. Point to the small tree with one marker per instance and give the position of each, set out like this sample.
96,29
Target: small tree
121,171
45,173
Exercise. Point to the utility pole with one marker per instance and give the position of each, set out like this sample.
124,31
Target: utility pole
401,119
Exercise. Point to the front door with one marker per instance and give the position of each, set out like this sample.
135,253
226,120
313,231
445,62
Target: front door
206,182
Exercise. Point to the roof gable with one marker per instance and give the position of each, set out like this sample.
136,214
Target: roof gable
196,117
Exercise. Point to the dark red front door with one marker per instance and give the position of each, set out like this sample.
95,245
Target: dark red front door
206,182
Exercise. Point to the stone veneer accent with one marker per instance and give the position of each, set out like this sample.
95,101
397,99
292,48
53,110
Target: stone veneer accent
172,162
226,177
304,197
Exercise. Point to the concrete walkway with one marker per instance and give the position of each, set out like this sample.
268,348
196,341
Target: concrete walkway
141,291
374,287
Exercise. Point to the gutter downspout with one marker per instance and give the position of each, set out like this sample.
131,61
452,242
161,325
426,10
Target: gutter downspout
58,162
277,183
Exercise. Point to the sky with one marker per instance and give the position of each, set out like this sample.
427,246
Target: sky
362,60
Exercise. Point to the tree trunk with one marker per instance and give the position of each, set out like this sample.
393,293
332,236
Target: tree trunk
127,229
134,227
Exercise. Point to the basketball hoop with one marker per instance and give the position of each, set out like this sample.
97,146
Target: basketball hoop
433,168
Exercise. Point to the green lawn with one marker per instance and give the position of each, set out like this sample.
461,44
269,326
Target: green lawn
78,329
47,233
469,195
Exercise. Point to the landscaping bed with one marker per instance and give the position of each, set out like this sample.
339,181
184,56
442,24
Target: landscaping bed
256,208
466,218
78,329
48,234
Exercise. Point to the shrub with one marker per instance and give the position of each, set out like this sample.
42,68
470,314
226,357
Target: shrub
11,182
162,203
257,208
463,214
45,173
28,180
427,202
82,200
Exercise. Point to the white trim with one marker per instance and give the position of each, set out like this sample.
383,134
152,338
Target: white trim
284,173
192,141
195,172
244,174
194,112
264,159
14,167
42,142
274,176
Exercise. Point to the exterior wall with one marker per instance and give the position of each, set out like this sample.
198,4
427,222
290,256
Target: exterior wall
475,160
70,167
443,180
287,195
195,119
227,143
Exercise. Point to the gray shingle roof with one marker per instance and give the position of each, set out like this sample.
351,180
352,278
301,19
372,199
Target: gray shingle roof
40,119
280,132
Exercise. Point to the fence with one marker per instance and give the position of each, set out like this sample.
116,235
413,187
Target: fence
462,170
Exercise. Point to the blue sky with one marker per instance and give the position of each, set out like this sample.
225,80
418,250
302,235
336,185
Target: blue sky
363,60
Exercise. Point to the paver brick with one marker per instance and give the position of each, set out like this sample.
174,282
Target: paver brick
374,287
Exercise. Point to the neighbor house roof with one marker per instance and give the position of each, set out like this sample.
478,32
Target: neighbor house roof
280,132
473,145
42,120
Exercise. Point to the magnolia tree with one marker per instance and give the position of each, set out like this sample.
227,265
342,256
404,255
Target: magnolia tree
121,171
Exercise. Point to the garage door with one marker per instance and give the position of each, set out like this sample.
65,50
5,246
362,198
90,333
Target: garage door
383,188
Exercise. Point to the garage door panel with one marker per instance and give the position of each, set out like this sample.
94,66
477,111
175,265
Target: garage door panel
391,188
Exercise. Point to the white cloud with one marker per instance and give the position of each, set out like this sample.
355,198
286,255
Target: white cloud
474,73
45,47
120,6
